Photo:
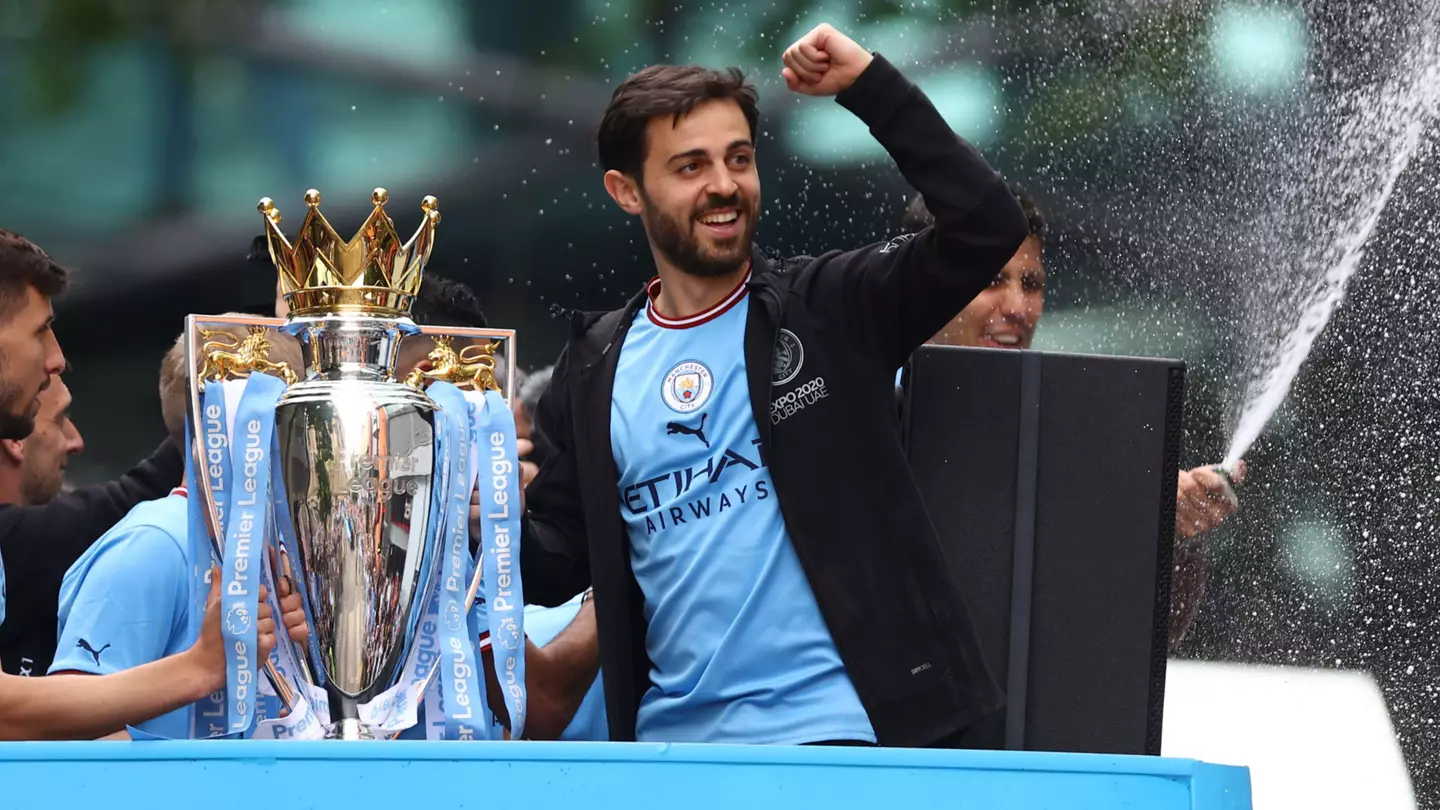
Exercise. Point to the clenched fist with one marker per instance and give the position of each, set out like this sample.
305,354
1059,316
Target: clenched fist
823,62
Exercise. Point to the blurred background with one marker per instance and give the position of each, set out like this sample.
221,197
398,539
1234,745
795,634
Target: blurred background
1190,155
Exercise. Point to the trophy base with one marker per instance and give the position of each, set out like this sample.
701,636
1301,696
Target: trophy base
349,729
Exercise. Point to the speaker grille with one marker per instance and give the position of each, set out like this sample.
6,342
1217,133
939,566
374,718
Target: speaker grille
1165,557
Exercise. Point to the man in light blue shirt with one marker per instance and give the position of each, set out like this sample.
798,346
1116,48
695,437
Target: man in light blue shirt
126,601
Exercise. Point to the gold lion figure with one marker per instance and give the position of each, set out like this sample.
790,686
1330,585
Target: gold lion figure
474,365
250,355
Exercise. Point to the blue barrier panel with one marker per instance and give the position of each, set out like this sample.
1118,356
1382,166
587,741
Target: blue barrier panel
277,775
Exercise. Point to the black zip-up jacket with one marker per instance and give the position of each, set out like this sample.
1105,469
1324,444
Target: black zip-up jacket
824,402
38,544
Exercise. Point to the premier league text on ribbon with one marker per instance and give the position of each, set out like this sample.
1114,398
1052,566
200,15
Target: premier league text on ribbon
461,649
356,436
238,584
209,716
501,468
216,453
462,681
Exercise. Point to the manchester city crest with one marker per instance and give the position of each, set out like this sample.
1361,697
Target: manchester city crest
687,387
789,357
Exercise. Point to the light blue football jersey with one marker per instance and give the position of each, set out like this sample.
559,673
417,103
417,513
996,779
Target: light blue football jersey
740,651
126,601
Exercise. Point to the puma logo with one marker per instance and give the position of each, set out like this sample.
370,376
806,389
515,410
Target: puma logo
698,432
85,645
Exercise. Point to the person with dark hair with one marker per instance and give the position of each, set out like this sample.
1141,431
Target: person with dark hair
446,302
29,353
32,472
39,542
442,301
1005,316
768,573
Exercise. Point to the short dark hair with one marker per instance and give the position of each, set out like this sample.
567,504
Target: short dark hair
918,217
665,90
446,302
22,265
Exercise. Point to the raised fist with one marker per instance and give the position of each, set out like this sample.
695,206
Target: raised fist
823,62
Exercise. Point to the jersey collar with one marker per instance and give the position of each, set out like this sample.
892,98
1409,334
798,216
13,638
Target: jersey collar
652,289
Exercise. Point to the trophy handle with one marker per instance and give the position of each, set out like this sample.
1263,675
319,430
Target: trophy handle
223,356
473,366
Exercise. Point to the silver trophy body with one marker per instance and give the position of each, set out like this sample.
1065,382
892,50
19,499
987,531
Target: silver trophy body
359,470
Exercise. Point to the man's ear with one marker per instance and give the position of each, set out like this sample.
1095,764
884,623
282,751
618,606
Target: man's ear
624,190
13,451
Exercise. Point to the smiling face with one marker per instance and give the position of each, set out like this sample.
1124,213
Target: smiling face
698,191
1005,314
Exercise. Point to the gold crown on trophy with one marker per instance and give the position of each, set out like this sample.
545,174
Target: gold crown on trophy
373,273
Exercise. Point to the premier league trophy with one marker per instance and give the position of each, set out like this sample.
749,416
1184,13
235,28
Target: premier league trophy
352,479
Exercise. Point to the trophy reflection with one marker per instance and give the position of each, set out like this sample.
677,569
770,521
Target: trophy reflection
357,491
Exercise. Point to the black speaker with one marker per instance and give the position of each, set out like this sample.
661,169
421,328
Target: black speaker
1051,480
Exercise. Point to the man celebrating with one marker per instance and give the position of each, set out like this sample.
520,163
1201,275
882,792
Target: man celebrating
1005,316
770,574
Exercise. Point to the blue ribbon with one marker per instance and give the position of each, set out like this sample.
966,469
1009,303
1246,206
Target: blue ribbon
207,716
247,527
499,485
467,436
214,716
463,702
